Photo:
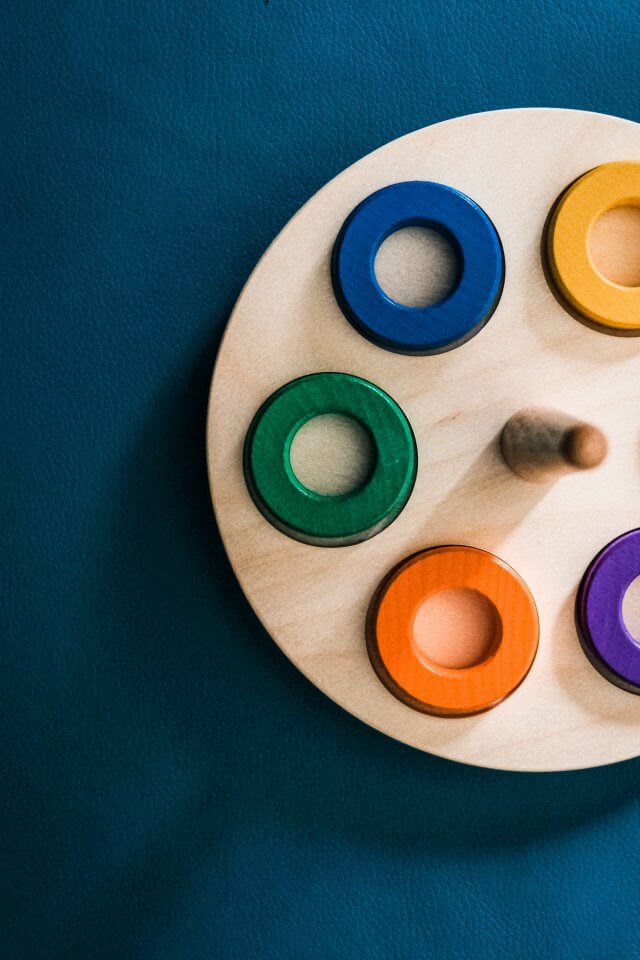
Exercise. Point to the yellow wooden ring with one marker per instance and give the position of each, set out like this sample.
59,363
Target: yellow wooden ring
579,282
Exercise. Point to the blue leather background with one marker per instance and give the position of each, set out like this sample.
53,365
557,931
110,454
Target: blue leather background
171,787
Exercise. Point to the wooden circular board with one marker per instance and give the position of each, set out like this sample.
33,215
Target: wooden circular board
286,323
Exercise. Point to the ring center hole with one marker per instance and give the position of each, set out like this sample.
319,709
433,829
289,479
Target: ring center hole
332,454
631,609
456,628
614,245
416,266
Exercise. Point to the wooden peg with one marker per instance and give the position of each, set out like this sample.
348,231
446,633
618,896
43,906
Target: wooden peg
542,445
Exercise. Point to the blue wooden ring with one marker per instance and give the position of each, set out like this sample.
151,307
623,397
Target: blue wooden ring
437,327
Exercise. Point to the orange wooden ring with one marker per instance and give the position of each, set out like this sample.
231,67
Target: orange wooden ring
424,684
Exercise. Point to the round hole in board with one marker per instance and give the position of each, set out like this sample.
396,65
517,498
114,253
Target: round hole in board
416,266
456,628
332,455
631,608
614,245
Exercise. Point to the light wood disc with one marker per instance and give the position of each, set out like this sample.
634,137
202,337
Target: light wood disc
286,323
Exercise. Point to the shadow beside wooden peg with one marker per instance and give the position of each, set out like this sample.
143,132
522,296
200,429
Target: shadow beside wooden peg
542,445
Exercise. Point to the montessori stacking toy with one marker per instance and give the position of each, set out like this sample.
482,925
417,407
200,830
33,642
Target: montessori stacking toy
467,590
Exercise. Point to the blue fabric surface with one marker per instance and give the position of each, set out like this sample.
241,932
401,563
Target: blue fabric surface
171,787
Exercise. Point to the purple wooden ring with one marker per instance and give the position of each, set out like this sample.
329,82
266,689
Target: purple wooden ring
599,610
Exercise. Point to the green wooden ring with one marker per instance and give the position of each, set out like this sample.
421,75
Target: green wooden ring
312,517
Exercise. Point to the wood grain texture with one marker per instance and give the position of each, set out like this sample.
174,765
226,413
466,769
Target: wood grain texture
457,627
614,245
424,684
416,266
542,445
332,454
532,352
631,608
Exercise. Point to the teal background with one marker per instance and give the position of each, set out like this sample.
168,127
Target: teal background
171,787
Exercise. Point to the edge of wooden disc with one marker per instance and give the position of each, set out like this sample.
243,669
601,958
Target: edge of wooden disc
286,323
